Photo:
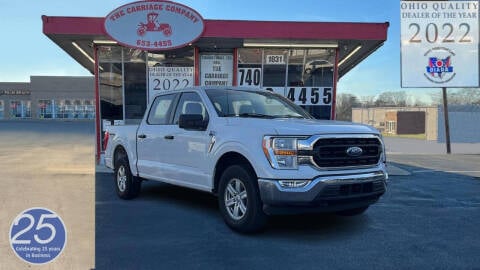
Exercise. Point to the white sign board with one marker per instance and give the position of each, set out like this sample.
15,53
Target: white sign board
154,25
169,78
310,95
275,59
216,69
249,77
439,43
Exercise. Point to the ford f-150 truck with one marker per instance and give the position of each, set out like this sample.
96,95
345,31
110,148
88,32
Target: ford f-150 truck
256,150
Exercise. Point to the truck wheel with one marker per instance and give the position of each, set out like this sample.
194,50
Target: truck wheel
353,212
126,185
239,200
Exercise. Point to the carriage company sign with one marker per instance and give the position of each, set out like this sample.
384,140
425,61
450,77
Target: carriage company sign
154,25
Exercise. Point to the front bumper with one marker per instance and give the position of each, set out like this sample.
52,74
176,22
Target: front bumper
324,193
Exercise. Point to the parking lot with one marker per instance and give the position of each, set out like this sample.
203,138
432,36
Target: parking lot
49,164
428,219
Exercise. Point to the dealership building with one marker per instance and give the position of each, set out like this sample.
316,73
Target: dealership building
48,97
146,47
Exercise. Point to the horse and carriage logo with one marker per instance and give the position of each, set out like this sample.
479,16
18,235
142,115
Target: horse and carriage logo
152,25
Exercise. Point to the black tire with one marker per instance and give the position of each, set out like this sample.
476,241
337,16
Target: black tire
353,212
239,187
126,185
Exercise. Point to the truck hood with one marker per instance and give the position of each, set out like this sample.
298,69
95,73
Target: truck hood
293,126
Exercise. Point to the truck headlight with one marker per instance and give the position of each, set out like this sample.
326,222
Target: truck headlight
281,152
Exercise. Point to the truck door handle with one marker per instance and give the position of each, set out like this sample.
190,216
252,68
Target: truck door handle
168,137
142,136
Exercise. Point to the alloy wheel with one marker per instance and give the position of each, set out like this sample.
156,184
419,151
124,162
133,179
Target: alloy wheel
236,199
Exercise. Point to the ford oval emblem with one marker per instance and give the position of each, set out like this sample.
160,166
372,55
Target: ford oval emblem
354,151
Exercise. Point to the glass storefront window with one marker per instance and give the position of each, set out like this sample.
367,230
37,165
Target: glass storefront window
61,109
170,70
45,108
68,109
305,76
310,80
135,84
77,109
58,110
176,58
319,67
249,67
109,54
20,109
89,112
2,106
15,109
110,77
274,67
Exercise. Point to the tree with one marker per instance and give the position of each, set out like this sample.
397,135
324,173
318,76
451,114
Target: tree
344,105
464,96
392,99
367,101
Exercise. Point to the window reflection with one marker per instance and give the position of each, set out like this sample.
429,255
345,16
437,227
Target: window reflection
288,71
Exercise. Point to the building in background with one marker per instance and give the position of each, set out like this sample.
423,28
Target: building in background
48,97
15,100
464,121
400,120
429,121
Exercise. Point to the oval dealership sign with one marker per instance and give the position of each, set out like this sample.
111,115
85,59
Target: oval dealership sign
154,25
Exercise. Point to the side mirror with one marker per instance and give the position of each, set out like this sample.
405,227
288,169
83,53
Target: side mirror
192,122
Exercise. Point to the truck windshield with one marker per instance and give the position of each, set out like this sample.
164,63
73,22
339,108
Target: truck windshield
258,104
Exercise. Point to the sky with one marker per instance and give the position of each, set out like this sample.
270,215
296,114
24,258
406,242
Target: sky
26,51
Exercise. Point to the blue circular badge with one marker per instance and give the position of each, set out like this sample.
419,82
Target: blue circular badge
38,235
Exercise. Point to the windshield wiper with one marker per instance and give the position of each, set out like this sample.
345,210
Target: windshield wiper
289,116
256,115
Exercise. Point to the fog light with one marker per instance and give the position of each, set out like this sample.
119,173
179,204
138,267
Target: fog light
293,183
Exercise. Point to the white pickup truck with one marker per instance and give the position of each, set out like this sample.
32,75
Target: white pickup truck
257,151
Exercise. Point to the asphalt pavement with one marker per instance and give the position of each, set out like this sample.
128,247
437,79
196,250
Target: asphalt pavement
49,164
428,219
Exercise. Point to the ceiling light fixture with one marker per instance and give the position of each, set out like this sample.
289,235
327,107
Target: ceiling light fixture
83,52
350,55
104,42
289,45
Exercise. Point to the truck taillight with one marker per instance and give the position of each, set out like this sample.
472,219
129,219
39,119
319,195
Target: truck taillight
105,140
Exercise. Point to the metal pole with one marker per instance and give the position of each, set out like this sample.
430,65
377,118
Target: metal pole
445,113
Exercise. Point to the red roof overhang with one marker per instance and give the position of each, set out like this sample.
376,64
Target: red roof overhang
224,33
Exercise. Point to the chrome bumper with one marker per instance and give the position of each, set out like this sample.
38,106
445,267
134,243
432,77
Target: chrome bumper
326,191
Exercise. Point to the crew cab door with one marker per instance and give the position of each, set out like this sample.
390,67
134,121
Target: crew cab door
152,138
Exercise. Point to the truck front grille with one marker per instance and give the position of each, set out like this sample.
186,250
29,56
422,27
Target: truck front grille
334,152
348,190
